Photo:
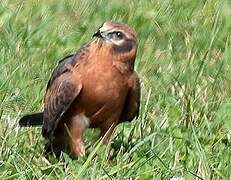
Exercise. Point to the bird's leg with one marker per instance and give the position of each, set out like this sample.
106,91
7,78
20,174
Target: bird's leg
56,143
76,129
106,131
76,143
55,146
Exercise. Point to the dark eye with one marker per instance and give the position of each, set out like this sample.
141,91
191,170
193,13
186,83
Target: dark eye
116,35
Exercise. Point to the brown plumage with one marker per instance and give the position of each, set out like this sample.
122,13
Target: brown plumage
96,88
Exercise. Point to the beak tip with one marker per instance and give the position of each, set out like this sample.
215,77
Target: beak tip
97,34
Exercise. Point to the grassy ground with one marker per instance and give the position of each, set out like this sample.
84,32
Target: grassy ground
184,62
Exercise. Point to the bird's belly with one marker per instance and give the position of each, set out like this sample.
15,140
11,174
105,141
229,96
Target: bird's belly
104,87
101,94
102,101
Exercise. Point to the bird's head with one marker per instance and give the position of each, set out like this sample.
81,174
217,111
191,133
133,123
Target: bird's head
120,38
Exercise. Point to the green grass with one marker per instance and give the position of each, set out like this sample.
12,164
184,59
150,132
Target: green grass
184,62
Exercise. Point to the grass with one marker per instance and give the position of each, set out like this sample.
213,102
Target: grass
184,128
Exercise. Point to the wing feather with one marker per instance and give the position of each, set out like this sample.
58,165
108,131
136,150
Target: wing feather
132,102
58,99
62,90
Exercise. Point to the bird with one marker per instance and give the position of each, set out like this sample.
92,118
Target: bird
96,87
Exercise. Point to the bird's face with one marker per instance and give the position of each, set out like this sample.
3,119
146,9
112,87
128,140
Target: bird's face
120,37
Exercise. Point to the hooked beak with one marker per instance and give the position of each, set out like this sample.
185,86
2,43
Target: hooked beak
97,34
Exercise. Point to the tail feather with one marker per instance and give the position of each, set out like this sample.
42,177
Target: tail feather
35,119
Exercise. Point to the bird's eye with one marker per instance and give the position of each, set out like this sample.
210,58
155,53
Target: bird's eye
116,35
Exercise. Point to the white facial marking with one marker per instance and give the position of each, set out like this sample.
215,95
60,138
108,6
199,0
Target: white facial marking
105,28
81,120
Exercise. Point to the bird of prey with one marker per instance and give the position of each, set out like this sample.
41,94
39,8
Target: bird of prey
96,87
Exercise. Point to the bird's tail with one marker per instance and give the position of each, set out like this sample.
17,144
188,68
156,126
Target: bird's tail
35,119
